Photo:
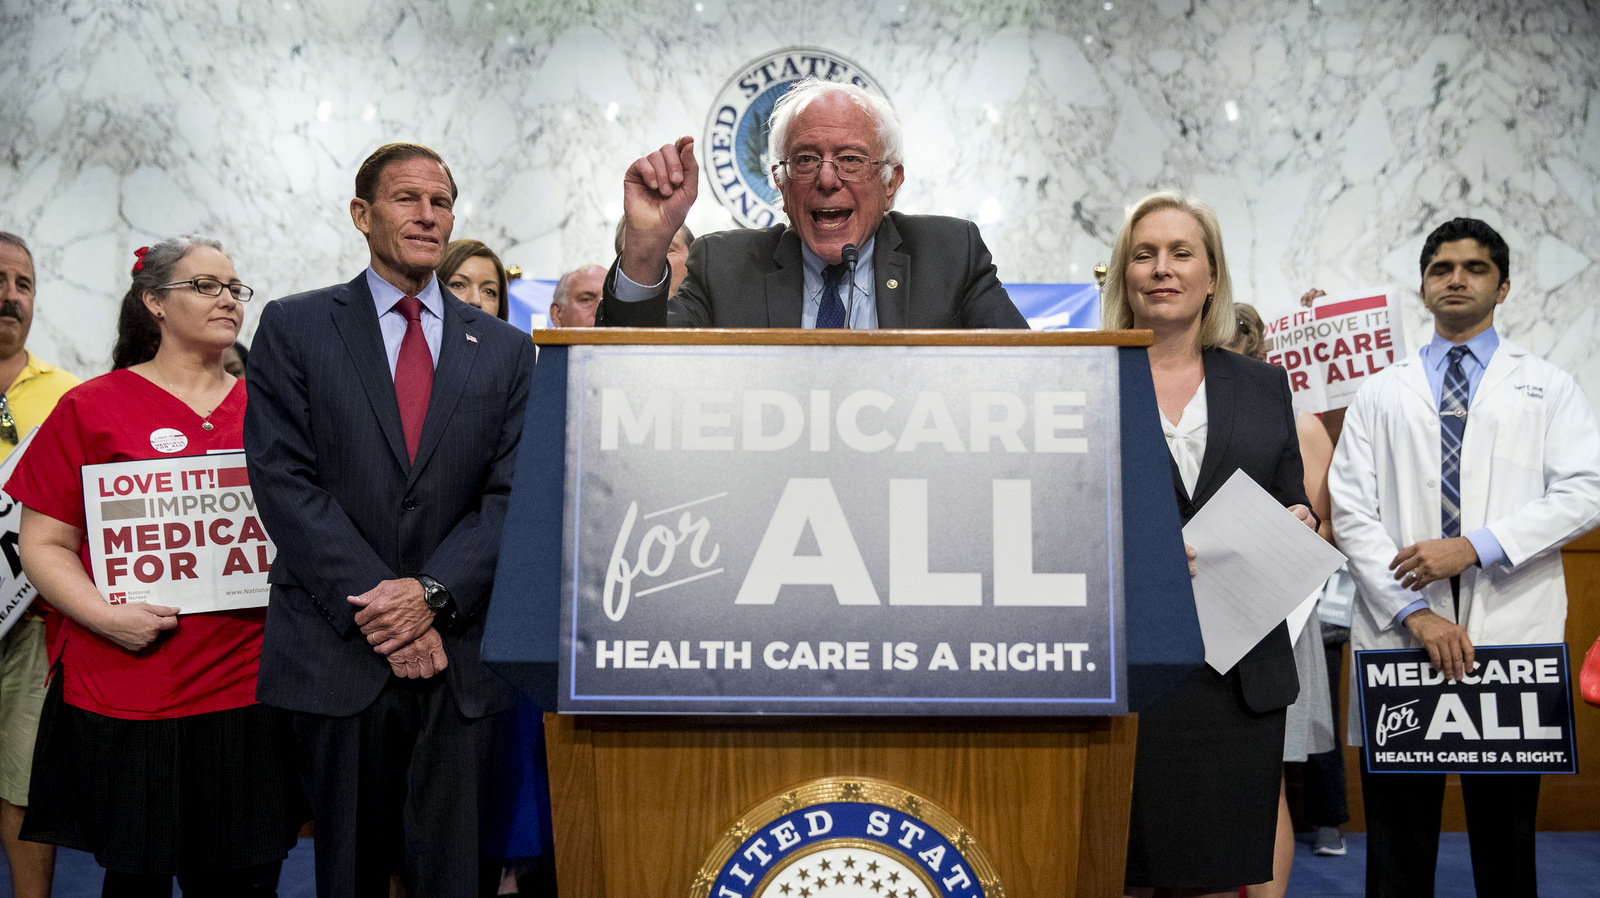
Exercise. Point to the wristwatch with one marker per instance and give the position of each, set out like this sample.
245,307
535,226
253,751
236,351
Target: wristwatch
439,600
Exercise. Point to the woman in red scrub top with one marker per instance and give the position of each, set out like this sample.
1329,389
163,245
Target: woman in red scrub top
153,753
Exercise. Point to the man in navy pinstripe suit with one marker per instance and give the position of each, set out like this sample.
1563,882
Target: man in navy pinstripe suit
381,430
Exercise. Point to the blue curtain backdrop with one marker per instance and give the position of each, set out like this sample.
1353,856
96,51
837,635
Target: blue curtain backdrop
1048,307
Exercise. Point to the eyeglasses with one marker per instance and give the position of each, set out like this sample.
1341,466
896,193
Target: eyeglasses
805,166
8,424
212,287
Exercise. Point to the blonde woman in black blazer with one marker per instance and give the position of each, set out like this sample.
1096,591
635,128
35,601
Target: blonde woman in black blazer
1210,752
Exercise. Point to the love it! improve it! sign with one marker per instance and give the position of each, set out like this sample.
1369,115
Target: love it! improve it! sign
179,531
1331,348
1512,714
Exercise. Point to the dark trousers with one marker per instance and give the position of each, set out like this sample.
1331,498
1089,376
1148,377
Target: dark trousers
1403,811
251,882
399,788
1325,795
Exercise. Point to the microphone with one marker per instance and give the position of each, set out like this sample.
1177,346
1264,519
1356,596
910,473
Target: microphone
849,255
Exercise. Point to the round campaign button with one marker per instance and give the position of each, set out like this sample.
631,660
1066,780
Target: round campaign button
734,154
166,439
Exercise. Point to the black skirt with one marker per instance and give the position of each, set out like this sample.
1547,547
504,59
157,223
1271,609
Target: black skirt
209,791
1205,788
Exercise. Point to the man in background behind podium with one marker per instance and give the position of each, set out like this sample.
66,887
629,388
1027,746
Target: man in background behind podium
577,297
836,152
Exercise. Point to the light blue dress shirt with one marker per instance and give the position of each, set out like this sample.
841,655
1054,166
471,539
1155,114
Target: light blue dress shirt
1435,358
393,324
861,311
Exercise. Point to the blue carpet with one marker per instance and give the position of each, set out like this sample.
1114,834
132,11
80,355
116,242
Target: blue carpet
1569,867
78,876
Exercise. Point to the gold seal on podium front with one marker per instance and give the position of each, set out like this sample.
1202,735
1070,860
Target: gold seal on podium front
847,837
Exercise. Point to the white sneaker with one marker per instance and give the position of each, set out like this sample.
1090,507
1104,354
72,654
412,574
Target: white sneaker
1328,842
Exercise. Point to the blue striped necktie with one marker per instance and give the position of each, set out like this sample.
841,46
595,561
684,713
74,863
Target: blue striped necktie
1452,425
831,313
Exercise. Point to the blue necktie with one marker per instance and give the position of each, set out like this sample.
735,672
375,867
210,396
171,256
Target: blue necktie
831,314
1452,425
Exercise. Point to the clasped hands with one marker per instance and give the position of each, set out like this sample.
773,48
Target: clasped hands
398,624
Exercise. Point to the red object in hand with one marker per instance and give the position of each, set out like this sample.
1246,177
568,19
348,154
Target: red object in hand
1589,678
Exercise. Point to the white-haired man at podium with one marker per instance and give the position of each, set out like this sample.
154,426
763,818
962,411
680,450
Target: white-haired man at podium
844,259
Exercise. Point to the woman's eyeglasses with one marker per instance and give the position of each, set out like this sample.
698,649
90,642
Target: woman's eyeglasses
212,287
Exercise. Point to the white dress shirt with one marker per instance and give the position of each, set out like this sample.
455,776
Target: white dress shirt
393,324
1186,440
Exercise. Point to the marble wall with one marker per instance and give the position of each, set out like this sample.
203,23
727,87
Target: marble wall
1331,135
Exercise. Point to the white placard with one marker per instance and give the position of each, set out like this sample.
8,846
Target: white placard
16,593
1331,348
180,531
1338,599
1255,564
1302,613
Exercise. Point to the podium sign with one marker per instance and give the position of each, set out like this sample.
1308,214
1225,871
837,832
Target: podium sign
842,530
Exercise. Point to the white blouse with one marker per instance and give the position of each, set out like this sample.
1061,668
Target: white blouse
1186,440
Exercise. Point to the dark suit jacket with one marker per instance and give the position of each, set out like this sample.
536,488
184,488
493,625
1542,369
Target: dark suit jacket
1250,427
943,278
347,509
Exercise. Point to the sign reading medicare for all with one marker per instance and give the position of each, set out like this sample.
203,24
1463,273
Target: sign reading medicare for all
1511,714
870,530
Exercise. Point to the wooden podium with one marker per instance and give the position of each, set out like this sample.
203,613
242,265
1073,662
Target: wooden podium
639,801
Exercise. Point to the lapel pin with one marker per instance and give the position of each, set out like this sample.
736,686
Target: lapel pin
893,283
471,338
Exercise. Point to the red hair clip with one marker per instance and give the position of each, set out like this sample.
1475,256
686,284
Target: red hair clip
140,252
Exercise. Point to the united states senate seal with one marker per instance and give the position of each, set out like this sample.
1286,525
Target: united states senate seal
847,837
736,132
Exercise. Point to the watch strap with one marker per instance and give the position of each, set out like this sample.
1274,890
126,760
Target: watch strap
438,599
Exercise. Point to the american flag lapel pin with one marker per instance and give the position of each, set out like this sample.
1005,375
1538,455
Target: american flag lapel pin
471,338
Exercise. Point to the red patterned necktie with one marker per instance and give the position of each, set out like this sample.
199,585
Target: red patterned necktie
413,374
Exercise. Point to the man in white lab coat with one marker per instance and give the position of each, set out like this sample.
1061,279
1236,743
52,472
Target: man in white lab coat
1460,473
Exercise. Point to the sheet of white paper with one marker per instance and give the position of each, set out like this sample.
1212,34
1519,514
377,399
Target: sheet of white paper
1255,563
1301,614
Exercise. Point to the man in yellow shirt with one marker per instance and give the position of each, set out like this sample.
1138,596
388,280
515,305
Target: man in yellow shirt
32,388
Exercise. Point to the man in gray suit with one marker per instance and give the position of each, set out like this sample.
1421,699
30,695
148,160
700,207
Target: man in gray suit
845,260
381,431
